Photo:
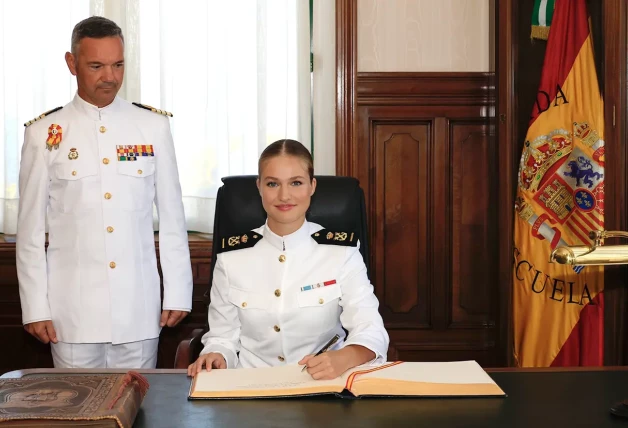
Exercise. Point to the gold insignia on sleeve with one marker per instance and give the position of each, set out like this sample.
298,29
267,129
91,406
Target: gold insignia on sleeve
41,116
234,240
153,109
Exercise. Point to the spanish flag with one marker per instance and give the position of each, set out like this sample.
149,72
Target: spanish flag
558,309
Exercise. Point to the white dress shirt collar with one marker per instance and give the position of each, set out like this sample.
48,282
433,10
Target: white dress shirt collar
93,112
287,242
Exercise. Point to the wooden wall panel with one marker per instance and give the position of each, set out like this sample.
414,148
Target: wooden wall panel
613,51
424,35
473,215
400,157
26,352
427,158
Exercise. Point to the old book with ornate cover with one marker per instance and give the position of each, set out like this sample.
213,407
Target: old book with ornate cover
101,400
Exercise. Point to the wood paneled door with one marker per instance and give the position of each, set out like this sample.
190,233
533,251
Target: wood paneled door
427,160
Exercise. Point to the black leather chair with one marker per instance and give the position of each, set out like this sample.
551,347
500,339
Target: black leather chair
337,204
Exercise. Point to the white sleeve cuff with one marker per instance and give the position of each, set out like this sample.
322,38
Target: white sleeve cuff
372,345
31,313
35,320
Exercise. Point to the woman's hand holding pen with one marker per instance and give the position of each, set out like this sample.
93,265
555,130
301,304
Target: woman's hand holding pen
331,364
328,365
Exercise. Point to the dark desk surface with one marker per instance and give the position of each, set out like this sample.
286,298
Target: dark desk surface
536,398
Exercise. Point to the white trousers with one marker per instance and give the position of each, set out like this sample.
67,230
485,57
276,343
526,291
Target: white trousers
132,355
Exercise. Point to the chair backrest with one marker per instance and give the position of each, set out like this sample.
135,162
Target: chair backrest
337,205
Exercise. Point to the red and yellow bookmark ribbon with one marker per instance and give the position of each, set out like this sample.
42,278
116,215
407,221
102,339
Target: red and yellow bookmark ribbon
353,375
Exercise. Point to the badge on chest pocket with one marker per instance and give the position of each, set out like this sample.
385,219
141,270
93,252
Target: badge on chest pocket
319,294
136,161
136,172
131,153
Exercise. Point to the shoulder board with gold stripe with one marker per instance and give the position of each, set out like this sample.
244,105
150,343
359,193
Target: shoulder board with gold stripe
41,116
153,109
327,237
239,242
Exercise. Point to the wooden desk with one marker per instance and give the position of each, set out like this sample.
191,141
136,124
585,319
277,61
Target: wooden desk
537,398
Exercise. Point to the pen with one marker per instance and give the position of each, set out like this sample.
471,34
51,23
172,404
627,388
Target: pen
324,348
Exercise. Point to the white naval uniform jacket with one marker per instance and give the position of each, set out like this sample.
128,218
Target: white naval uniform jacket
98,281
263,314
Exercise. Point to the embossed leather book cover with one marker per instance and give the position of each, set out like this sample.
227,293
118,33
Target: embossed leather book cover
102,400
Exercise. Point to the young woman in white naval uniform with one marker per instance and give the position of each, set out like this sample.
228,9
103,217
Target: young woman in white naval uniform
282,291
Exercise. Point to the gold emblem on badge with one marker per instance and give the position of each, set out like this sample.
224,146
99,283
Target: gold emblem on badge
244,239
73,154
340,236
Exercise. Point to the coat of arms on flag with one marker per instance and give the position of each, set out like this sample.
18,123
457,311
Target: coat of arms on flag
558,309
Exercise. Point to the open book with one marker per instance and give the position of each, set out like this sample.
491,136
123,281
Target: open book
458,378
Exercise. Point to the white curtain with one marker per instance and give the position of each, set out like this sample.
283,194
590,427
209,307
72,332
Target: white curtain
235,74
34,36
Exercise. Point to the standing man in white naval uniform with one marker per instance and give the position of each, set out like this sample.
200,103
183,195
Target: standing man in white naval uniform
94,168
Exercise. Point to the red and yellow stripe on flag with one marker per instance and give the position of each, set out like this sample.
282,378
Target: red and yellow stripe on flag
558,309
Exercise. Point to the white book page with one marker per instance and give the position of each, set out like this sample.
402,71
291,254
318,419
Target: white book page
453,372
267,379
